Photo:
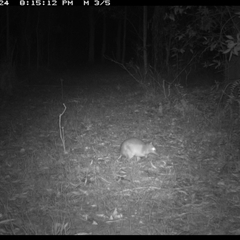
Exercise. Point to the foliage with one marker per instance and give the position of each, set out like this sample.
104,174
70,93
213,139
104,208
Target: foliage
204,30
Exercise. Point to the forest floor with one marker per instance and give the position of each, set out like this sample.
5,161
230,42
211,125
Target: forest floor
192,187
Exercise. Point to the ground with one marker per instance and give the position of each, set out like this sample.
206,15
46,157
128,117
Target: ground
77,184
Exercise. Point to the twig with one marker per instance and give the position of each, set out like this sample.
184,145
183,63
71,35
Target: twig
61,130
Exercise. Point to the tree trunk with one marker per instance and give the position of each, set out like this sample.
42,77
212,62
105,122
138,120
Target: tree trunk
28,46
37,39
118,40
7,34
48,39
26,51
124,35
155,37
91,36
159,50
145,61
104,38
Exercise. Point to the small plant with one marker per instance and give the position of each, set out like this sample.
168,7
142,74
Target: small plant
231,94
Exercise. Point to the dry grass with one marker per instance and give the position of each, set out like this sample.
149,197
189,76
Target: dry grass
191,188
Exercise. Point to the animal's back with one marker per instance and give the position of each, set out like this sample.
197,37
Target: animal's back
132,147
